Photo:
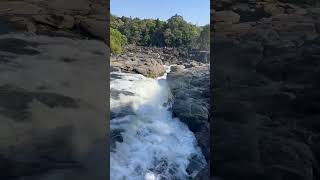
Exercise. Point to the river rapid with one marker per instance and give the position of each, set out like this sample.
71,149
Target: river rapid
148,142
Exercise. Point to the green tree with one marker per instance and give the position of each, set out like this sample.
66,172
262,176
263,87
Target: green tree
180,33
115,22
117,41
176,32
204,38
157,37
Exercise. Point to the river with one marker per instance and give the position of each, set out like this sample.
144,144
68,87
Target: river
149,143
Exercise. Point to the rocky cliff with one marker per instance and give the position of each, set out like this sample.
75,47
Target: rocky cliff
190,88
265,89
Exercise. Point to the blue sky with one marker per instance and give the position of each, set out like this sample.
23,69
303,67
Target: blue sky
194,11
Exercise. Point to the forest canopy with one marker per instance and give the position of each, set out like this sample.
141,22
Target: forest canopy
175,32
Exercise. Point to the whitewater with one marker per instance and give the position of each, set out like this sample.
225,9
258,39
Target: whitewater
149,143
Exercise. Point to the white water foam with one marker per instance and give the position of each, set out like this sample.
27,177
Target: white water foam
154,145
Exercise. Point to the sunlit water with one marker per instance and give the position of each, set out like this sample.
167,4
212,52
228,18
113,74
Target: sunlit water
151,144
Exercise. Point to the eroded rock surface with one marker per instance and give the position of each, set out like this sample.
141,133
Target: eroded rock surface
149,61
265,90
190,89
71,18
141,63
48,116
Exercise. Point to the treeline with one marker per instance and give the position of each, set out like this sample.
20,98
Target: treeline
175,32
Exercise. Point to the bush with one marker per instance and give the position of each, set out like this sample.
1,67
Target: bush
117,41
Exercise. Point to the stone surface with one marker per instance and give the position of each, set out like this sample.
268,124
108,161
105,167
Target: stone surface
44,117
149,61
140,63
227,17
264,95
190,90
84,18
95,27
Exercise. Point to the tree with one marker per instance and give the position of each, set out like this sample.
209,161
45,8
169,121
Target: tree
117,41
115,22
175,32
157,37
204,38
182,32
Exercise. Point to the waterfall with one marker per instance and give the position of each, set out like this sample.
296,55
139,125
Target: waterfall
148,143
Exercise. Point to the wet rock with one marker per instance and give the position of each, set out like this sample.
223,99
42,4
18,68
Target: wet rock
191,101
115,136
195,167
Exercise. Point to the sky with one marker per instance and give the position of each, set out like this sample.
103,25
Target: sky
193,11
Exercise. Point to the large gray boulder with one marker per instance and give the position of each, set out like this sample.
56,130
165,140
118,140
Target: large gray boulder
142,62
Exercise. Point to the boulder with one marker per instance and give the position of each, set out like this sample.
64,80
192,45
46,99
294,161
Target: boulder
177,68
225,17
140,62
95,28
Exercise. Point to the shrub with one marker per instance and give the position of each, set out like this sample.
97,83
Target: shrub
117,41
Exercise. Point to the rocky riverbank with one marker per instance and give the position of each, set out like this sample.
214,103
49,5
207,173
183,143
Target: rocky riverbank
190,89
265,90
189,84
149,61
53,64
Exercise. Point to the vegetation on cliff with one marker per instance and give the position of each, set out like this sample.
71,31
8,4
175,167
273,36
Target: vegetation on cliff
117,41
175,32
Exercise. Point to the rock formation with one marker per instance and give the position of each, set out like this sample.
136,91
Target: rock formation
149,61
265,90
71,18
142,62
190,89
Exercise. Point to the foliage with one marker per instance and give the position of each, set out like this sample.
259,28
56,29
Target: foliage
175,32
204,38
117,41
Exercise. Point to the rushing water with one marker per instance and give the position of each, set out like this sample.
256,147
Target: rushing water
150,143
